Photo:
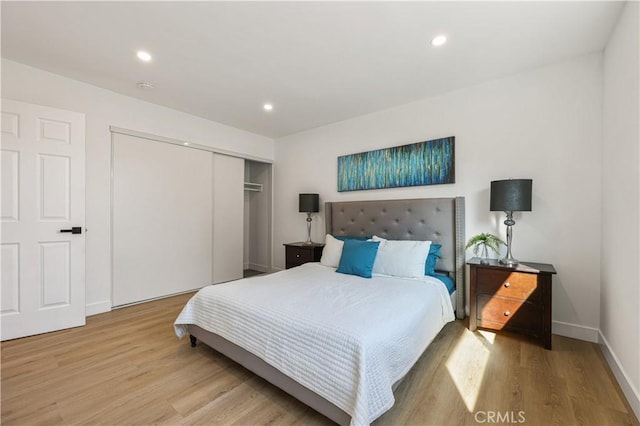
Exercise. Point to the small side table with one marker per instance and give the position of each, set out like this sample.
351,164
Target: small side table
514,298
298,253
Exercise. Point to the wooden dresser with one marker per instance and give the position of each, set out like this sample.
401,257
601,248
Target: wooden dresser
298,253
511,298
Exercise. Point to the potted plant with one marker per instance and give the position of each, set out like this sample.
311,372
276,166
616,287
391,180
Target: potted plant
484,242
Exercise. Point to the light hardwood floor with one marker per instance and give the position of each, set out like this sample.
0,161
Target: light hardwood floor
127,367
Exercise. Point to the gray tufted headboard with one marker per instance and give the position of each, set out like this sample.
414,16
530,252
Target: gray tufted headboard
440,220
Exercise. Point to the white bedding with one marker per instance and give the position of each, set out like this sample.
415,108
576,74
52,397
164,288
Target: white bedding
348,339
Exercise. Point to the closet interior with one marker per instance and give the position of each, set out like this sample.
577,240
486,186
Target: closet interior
257,217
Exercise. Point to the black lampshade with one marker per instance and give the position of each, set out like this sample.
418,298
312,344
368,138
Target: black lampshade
513,195
309,203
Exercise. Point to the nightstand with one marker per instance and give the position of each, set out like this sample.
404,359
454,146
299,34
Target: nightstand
298,253
514,298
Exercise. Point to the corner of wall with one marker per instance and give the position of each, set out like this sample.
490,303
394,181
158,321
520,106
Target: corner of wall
629,391
618,334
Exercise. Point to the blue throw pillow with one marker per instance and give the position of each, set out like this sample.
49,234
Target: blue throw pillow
358,257
451,285
350,237
432,259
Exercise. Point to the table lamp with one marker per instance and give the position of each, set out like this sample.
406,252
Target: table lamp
309,203
512,195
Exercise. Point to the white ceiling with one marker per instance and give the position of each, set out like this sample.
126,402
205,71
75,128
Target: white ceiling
317,62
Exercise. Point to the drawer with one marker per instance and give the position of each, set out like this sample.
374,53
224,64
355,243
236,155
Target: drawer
298,256
499,312
517,285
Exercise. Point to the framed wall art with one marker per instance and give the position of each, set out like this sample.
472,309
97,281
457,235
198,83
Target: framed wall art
422,163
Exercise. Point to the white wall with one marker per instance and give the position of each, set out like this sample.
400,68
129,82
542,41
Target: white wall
544,124
620,274
104,108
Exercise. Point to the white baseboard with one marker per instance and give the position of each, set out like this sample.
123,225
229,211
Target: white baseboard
632,394
97,308
575,331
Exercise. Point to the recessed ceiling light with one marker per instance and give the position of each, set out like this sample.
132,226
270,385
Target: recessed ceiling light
144,56
186,144
267,107
439,40
144,85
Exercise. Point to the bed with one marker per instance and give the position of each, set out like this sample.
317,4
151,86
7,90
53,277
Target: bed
343,354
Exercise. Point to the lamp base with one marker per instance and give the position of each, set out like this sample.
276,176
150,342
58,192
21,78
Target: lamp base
509,261
308,229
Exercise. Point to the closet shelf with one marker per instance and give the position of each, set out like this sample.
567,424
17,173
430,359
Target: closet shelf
255,187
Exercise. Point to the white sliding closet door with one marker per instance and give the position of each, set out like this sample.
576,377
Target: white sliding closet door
162,208
228,218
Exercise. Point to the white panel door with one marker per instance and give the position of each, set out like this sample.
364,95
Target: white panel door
228,218
43,190
161,219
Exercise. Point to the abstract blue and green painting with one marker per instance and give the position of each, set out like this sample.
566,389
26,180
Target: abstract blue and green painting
423,163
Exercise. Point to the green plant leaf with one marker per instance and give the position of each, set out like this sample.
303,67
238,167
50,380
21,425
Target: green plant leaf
487,240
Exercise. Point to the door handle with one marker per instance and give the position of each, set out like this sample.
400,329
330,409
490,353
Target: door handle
74,230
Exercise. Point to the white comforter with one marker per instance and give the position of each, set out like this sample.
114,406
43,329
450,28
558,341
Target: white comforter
349,339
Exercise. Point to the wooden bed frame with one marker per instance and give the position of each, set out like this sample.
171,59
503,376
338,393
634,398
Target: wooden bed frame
440,220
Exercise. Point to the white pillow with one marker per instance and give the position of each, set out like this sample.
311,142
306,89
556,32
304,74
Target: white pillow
332,251
401,258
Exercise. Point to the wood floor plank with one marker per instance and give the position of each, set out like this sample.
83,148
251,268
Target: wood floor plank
40,414
227,407
127,367
208,388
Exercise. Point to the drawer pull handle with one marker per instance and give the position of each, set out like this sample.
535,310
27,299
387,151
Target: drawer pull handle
507,313
507,285
297,255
